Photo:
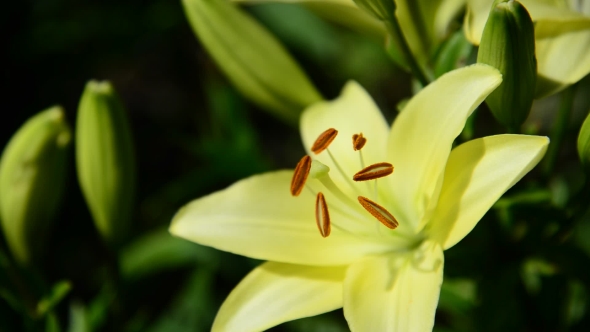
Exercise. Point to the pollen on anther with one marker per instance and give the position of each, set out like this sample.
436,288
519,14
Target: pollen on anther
379,212
300,175
374,171
358,141
324,140
322,216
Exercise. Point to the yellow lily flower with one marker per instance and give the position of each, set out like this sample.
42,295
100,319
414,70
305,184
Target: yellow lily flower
385,278
562,38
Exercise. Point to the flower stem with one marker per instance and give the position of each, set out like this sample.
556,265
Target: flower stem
579,207
559,129
399,40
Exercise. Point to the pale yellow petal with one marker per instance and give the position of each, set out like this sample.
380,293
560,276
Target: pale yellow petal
396,292
258,217
562,60
275,293
477,174
352,113
422,135
475,19
553,18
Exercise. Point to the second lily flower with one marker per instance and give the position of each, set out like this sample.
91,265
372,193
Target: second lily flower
386,278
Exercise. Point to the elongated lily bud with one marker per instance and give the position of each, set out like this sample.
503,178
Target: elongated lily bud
251,57
105,161
32,174
584,144
508,43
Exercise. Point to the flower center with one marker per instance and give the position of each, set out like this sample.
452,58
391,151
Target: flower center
308,167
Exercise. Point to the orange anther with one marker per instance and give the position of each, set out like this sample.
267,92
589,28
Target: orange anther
300,175
322,216
379,212
374,171
324,140
358,141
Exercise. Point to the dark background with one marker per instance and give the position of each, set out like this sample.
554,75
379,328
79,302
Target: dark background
195,134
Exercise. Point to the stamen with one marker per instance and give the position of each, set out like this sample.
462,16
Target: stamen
322,216
344,228
324,140
334,190
300,175
379,212
358,141
374,171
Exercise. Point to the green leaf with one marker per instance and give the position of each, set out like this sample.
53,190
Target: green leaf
56,294
577,301
256,63
584,143
453,54
193,309
158,251
79,321
97,310
52,323
531,272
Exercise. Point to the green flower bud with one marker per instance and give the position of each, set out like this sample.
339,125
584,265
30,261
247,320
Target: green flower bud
252,58
584,144
105,161
32,174
381,9
508,43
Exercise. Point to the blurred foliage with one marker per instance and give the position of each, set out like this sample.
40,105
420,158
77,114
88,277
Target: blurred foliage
525,267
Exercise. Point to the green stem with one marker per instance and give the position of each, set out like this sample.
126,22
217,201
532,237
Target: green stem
399,40
14,275
580,208
559,129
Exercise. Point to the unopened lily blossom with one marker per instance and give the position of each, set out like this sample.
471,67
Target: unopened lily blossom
362,222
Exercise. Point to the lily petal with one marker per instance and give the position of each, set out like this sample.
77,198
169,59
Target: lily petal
562,60
477,174
394,292
258,217
274,293
352,113
422,135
